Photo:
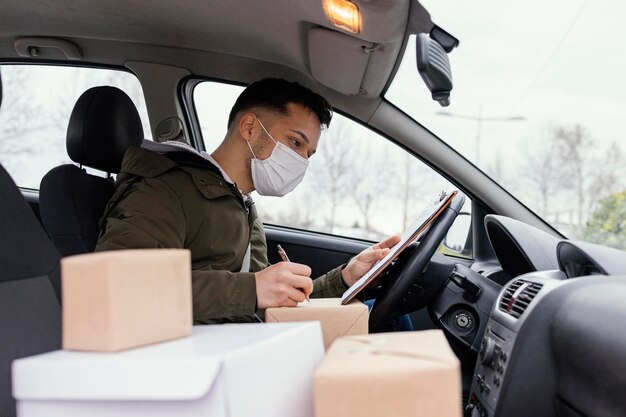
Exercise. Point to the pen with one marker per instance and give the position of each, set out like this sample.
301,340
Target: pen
285,258
283,254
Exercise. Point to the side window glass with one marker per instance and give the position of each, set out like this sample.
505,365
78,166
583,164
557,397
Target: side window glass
35,110
358,184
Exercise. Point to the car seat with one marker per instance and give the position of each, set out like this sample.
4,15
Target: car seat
103,124
30,310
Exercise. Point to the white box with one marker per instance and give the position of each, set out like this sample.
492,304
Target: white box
232,370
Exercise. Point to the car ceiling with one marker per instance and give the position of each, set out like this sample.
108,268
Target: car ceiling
237,40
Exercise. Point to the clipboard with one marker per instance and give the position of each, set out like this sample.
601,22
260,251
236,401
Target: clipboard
423,221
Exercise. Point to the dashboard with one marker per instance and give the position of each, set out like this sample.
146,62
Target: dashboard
543,324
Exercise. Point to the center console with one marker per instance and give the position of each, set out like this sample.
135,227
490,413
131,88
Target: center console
512,306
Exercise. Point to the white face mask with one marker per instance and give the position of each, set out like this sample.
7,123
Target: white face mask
280,173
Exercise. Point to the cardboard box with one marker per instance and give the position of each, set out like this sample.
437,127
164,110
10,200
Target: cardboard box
336,320
389,374
127,298
230,370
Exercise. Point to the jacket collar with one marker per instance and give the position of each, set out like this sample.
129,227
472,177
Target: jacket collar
145,163
206,177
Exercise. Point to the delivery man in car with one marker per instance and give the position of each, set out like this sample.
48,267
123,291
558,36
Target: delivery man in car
175,197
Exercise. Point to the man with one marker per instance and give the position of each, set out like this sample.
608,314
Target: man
173,197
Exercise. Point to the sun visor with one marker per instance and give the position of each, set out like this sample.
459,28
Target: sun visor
337,60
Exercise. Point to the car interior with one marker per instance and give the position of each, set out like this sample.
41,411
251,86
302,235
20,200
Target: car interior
538,321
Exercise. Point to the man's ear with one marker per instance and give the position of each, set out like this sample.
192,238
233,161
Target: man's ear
247,127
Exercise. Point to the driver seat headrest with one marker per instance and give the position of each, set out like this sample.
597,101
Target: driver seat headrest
103,124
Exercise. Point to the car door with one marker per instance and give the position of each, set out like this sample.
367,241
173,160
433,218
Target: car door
320,251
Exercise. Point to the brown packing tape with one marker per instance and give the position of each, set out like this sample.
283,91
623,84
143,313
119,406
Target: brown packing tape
379,344
336,320
407,374
128,298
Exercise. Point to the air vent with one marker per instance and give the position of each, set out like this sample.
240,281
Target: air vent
517,296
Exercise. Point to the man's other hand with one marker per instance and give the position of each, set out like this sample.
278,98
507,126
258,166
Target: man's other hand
364,261
284,284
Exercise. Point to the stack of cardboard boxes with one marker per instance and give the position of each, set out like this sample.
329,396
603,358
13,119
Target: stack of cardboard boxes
141,299
384,374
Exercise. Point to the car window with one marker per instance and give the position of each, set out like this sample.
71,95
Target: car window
35,110
358,183
538,106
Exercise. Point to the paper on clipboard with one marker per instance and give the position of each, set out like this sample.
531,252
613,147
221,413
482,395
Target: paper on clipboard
426,217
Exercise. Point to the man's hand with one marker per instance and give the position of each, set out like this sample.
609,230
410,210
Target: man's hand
364,261
284,284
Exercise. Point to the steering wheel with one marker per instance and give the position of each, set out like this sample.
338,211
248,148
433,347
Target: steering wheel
408,269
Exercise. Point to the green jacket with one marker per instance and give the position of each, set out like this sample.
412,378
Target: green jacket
159,203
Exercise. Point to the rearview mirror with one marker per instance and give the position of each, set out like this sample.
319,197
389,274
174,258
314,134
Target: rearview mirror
433,63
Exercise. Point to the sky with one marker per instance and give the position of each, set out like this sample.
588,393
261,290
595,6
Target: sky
548,62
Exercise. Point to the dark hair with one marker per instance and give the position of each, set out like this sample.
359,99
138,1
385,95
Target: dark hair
276,94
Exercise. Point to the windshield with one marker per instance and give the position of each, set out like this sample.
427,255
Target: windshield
538,101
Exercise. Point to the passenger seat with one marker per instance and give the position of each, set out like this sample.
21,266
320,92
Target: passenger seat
103,124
